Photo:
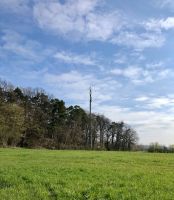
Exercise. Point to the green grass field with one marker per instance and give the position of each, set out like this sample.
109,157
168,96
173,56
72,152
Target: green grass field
43,174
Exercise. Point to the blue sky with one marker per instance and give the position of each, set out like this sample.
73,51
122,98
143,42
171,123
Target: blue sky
123,48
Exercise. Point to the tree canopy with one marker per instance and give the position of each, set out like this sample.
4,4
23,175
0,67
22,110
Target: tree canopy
31,118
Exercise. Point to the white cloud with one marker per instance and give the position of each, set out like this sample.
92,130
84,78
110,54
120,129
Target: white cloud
85,20
78,18
133,73
72,58
123,57
142,98
139,41
161,102
103,26
155,66
147,74
160,24
156,102
120,58
129,72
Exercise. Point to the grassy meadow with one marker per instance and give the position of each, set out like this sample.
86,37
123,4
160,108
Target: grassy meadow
45,174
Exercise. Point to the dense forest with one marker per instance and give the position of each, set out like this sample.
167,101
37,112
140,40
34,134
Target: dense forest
31,118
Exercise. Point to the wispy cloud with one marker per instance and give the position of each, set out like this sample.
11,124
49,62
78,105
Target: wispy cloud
120,58
139,41
156,102
16,6
16,44
140,75
164,3
72,58
75,85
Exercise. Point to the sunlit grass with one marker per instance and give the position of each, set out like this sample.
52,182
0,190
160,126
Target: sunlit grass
43,174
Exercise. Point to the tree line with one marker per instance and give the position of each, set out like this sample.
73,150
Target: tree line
31,118
158,148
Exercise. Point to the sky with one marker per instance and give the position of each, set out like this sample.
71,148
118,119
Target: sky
123,49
